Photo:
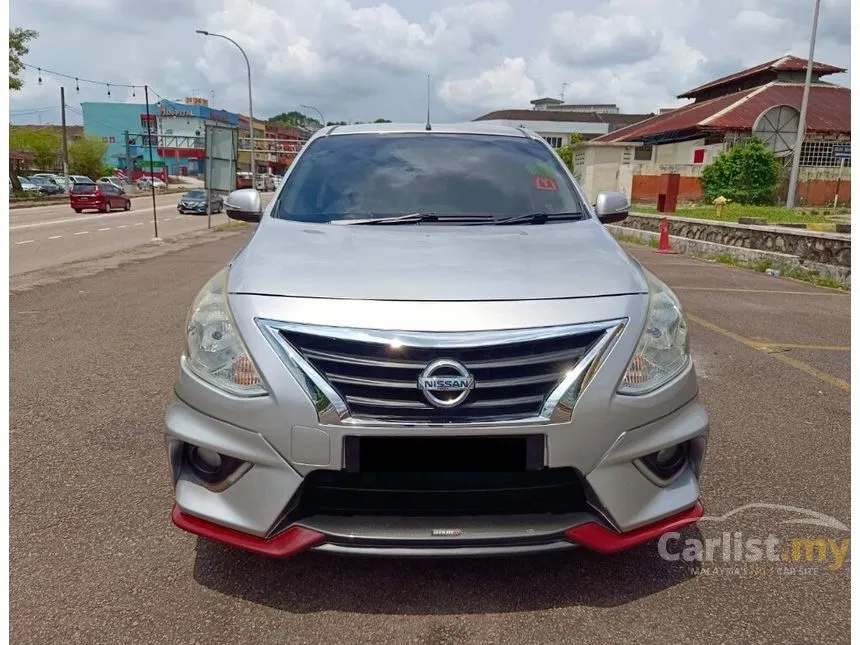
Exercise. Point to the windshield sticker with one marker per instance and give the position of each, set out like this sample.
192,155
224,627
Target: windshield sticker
540,170
545,183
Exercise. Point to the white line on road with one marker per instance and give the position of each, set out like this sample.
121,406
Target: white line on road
55,237
105,229
84,218
139,224
24,242
81,232
122,226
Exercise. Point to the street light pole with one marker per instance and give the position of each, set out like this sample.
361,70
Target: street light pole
311,107
801,126
250,102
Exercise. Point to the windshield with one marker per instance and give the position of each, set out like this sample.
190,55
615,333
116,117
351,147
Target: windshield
195,194
356,176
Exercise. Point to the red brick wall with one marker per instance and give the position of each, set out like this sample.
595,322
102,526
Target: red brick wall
817,192
647,187
821,191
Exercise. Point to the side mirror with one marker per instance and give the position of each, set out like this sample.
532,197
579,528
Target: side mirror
612,207
245,205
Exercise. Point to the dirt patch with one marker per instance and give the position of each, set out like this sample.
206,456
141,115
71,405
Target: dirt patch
91,266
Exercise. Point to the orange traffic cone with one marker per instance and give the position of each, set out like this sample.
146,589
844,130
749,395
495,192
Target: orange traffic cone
664,237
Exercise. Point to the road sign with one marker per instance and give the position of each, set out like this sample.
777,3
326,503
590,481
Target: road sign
841,150
221,152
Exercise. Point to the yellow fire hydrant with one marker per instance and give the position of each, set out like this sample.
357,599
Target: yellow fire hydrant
720,202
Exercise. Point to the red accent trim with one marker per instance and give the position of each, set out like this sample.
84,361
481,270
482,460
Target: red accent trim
603,540
292,541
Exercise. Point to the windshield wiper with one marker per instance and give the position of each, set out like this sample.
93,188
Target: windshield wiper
415,218
540,218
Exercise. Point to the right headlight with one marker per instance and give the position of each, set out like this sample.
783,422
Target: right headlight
663,351
214,349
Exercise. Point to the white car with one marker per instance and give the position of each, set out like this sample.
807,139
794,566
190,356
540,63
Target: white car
115,181
26,185
146,182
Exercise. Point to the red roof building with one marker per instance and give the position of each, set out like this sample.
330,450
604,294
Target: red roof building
727,110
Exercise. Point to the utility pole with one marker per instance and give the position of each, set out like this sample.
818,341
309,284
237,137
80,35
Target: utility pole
65,139
151,167
801,126
128,162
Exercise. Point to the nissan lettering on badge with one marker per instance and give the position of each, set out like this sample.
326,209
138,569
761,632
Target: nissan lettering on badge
446,377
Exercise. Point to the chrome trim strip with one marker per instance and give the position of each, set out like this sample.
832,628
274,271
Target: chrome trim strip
445,552
386,403
411,385
442,339
335,411
561,401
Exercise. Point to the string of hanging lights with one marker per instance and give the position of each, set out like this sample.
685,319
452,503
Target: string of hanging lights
78,80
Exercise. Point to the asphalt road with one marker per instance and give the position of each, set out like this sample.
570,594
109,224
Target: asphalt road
95,559
49,236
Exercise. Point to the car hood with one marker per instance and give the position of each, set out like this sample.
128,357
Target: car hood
439,263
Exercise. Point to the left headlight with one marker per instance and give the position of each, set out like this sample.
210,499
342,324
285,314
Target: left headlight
214,349
663,350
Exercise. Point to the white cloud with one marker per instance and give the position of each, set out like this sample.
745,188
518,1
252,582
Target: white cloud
363,59
506,85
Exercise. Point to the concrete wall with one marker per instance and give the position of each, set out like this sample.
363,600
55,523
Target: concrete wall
602,167
812,246
682,152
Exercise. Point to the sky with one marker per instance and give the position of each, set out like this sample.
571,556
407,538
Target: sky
358,60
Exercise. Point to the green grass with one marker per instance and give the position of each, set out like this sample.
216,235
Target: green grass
773,214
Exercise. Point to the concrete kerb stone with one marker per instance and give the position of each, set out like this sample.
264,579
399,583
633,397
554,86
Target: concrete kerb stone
705,249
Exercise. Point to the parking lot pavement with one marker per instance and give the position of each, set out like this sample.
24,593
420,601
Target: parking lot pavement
94,558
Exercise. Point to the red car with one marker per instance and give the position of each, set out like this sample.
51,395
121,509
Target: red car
101,197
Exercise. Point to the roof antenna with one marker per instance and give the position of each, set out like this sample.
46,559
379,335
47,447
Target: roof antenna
427,127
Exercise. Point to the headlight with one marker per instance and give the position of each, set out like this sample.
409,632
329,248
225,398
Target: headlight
214,349
663,351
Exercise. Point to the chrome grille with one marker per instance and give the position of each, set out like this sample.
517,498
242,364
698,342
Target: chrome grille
375,373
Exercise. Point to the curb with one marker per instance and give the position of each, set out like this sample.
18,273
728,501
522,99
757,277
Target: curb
702,248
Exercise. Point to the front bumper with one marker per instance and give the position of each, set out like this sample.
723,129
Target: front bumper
191,208
624,507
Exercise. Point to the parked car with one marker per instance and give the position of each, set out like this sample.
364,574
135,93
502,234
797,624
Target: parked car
265,183
58,180
146,183
194,202
102,197
46,186
26,185
114,181
438,351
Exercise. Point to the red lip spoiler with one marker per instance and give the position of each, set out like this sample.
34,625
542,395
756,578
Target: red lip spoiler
292,541
598,538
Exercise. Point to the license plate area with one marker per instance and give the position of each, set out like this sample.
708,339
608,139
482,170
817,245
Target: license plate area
444,454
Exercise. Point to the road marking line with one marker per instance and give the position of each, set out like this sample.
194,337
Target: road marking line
55,237
122,226
788,360
24,242
781,347
737,290
139,224
104,229
81,232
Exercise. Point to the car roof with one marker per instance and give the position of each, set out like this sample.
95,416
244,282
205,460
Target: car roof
421,128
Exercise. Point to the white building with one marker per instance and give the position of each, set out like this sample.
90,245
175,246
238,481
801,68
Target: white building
556,121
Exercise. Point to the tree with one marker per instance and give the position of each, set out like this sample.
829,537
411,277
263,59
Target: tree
86,155
297,118
18,39
382,121
746,174
44,144
566,152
